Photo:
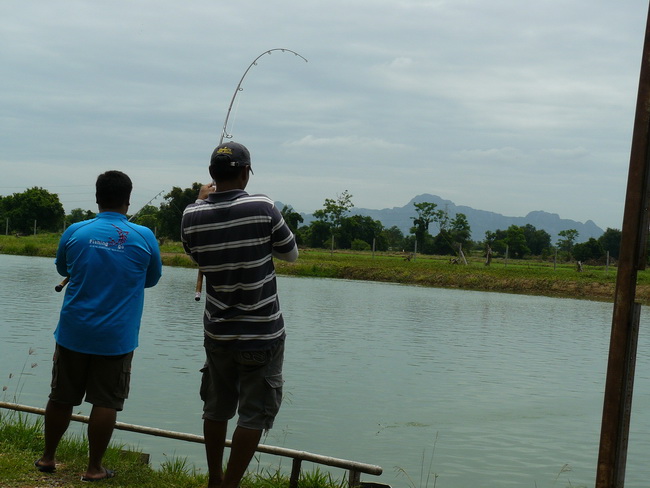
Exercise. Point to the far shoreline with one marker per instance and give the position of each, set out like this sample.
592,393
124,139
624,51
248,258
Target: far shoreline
533,276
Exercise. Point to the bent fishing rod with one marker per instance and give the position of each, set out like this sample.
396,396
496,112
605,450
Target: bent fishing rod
61,285
226,135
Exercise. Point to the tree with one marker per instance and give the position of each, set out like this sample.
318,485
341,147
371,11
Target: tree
359,227
516,241
360,245
333,211
33,205
460,231
147,216
171,211
538,241
566,243
535,242
426,214
587,251
292,218
496,240
611,241
317,234
79,215
394,239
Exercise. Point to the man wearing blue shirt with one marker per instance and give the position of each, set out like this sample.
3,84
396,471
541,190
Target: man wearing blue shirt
110,261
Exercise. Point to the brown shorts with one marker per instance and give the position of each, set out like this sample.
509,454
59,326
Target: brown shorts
246,382
104,380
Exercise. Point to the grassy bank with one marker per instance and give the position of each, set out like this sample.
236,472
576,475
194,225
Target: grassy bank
21,443
532,277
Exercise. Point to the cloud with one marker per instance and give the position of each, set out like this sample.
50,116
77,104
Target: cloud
475,101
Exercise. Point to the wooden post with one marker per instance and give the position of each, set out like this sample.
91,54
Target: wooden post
295,473
488,256
354,478
462,254
619,383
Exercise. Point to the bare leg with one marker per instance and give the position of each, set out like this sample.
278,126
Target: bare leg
57,420
214,434
100,430
244,444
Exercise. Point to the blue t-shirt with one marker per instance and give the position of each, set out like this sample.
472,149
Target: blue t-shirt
110,262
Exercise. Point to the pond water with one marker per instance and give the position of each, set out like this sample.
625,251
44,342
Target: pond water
479,389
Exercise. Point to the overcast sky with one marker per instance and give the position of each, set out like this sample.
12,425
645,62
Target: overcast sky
508,106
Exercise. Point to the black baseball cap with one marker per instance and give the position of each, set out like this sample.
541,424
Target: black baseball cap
230,154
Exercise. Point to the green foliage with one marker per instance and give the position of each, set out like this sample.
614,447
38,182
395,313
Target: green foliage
359,245
34,205
171,211
362,228
79,215
147,216
453,235
426,214
535,242
19,431
331,217
334,210
319,479
611,241
566,241
460,230
318,234
592,250
516,241
292,218
40,245
394,239
21,442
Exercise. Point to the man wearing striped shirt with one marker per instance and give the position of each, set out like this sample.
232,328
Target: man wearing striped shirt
233,237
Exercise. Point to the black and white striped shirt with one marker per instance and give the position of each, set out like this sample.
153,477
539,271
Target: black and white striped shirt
233,237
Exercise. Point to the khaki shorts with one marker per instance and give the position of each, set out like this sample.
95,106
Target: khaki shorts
245,382
104,380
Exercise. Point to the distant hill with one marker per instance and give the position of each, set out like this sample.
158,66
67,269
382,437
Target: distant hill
480,221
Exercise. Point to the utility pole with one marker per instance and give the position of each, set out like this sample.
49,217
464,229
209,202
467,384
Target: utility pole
625,321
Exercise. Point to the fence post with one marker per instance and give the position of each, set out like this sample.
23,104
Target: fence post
295,473
354,478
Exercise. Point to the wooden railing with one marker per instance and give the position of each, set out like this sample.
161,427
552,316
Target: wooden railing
354,468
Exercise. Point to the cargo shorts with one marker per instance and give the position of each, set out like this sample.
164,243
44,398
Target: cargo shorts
248,383
104,380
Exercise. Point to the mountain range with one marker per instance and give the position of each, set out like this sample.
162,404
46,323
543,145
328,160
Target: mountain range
480,221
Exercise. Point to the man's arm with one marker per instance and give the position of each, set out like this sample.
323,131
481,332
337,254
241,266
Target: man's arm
290,256
60,261
284,242
154,271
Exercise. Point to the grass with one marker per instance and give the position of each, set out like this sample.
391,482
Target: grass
524,276
21,443
532,277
